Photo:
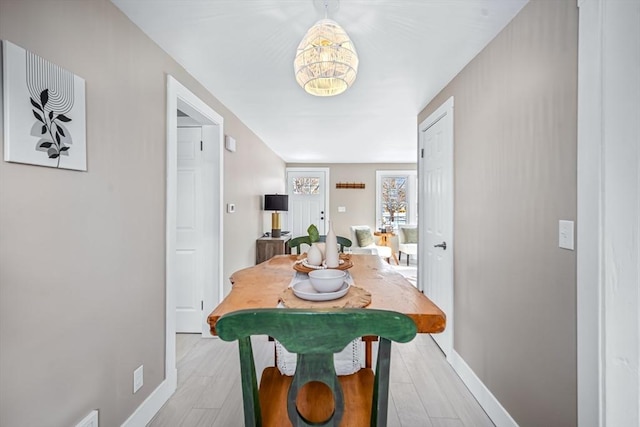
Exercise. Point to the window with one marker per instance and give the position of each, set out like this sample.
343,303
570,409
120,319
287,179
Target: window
306,185
396,198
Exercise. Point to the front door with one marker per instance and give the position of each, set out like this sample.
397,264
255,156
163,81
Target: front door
307,191
190,222
436,215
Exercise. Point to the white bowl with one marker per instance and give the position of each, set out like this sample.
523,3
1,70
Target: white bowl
327,280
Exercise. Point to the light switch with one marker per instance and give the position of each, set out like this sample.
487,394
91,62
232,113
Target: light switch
342,209
231,207
565,234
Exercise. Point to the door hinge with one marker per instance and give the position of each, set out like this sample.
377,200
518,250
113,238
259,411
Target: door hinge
200,145
422,153
201,305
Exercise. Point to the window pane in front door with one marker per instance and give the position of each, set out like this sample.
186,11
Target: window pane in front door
306,185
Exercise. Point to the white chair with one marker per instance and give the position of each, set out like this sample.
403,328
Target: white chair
368,248
407,242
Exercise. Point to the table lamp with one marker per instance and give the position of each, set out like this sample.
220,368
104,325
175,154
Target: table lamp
276,202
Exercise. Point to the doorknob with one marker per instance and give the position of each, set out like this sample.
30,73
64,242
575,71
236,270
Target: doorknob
442,245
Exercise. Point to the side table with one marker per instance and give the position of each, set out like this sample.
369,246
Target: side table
385,240
268,247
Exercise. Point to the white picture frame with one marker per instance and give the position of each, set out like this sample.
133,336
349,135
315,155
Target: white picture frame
44,111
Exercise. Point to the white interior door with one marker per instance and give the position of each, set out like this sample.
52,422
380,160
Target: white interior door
189,231
436,215
307,189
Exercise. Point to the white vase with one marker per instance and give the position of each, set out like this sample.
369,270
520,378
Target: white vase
322,248
332,257
314,255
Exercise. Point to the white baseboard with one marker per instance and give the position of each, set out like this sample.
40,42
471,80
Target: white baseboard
152,404
485,398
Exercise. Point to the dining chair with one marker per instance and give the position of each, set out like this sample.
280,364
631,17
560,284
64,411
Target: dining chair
315,395
295,243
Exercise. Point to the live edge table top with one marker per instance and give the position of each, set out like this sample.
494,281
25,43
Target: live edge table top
262,285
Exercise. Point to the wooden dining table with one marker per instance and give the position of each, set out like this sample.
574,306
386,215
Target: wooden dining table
262,286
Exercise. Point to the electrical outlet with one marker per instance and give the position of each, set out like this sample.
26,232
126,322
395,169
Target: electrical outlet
90,420
138,378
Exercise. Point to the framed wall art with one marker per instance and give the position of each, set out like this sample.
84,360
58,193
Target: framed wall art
44,111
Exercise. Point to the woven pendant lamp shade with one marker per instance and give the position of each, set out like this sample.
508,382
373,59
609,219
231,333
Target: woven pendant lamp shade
326,61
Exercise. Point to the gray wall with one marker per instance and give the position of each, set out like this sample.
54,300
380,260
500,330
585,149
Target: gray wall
242,187
82,254
515,118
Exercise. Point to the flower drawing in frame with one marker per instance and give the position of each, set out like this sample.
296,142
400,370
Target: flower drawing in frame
44,111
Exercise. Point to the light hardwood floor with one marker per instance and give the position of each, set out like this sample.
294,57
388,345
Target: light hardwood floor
424,390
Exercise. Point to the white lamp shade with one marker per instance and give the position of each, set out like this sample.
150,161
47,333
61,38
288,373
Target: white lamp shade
326,62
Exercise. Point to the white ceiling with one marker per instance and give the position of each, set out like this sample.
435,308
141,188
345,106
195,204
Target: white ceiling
243,50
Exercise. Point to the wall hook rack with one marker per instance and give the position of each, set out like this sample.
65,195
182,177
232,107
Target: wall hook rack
350,185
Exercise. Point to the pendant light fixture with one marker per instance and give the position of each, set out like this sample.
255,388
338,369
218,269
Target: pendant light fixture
326,62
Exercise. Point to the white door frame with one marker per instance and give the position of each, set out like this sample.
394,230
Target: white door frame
607,223
179,97
327,208
590,207
445,109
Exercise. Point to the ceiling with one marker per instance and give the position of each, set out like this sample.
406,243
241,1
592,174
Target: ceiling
243,50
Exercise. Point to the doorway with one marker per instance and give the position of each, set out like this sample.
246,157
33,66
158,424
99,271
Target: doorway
193,212
435,247
308,199
211,177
